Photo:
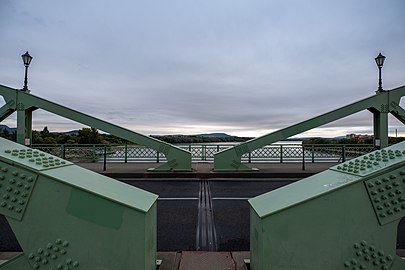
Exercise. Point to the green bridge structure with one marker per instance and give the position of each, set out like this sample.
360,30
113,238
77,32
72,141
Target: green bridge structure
349,214
380,105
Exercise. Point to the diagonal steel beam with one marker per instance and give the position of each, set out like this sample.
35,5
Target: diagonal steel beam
177,159
230,159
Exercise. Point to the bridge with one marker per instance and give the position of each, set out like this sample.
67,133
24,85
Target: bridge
349,213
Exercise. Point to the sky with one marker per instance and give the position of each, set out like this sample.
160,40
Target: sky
244,67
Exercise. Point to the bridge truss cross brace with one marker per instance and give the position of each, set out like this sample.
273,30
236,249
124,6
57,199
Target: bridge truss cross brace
25,103
380,105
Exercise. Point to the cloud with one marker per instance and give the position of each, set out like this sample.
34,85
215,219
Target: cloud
247,67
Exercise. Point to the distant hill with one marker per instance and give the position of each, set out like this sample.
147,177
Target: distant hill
214,135
9,129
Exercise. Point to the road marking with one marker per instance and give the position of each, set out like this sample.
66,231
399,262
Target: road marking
230,198
177,199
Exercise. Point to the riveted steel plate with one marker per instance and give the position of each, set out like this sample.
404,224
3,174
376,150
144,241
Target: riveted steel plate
16,186
368,256
55,255
30,158
387,195
371,163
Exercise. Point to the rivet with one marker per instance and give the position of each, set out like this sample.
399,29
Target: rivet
395,184
394,202
47,254
40,251
392,176
3,204
389,258
27,187
390,212
56,249
11,181
376,263
62,251
385,179
398,192
24,195
30,179
359,253
376,200
397,209
4,169
387,204
76,264
13,199
19,210
16,192
367,258
381,190
37,259
391,194
6,196
374,192
44,261
49,246
384,267
356,246
353,261
65,243
54,257
36,266
388,187
19,184
10,207
15,173
380,207
9,189
31,256
58,241
59,266
68,261
402,199
22,176
383,261
2,177
403,206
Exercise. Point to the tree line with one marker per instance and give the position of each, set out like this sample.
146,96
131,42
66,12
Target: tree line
92,136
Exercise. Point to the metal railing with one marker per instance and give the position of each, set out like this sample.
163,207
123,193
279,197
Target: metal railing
205,152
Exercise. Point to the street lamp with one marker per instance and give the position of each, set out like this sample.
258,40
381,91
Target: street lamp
379,60
27,60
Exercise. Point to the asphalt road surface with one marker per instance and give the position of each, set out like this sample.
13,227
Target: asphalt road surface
180,226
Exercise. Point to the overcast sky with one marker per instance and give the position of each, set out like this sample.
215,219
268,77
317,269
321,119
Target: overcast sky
167,67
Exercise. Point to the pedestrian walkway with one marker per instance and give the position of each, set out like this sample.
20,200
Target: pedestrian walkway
205,170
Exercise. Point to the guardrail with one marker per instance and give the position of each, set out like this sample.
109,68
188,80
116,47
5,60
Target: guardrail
205,152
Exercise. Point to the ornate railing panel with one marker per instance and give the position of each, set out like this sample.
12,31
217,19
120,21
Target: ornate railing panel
271,153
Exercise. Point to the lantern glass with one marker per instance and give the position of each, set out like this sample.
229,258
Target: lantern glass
379,60
26,59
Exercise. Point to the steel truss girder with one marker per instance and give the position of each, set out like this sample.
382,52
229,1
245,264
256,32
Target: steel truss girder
177,159
379,104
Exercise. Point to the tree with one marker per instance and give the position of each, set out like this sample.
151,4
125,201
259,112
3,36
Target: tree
89,136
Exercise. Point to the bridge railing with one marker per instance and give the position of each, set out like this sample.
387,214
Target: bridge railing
205,152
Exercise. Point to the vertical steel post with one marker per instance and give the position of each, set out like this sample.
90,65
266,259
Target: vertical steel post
250,157
105,158
281,153
94,153
126,153
303,158
62,151
313,153
343,153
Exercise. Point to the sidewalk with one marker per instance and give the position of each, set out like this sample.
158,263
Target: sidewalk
205,170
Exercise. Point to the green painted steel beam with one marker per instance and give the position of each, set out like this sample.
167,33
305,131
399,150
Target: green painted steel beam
67,217
343,218
379,104
177,159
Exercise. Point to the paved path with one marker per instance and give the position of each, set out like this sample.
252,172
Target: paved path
205,170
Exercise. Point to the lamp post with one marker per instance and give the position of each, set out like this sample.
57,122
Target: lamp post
379,60
27,60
